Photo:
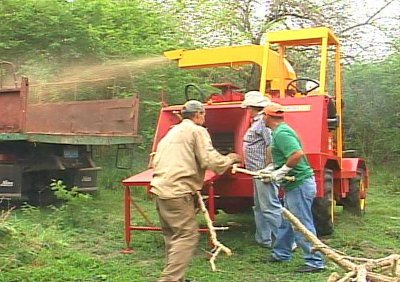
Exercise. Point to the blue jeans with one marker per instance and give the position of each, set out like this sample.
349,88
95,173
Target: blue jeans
267,212
298,201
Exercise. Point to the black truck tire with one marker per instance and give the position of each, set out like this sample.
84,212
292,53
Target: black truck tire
353,204
322,207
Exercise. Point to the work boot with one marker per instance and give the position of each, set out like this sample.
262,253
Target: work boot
272,259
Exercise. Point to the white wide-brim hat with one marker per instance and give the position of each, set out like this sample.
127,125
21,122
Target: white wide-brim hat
255,99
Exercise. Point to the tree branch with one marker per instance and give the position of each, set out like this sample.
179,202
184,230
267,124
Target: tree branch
369,19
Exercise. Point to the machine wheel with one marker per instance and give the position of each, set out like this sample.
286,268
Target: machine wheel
354,203
322,208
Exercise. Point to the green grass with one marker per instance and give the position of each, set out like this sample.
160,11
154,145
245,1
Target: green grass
82,241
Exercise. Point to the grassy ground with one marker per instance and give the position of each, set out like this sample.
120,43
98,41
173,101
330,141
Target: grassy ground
82,241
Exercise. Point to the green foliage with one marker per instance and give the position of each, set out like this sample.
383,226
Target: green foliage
110,177
59,31
121,28
74,205
42,29
71,196
28,240
372,103
387,177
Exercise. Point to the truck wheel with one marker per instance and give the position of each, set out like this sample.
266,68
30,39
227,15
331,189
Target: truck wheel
354,203
322,208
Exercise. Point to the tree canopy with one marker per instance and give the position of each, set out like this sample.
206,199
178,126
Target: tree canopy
43,36
61,31
372,109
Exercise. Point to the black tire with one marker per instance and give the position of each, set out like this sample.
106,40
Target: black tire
322,207
352,203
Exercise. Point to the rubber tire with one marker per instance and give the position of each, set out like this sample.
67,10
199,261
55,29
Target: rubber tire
321,208
352,203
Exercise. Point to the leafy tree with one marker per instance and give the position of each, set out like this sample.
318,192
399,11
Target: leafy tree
372,103
214,23
222,22
43,30
61,31
126,28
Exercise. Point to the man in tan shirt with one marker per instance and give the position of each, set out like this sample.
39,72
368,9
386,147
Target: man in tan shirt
180,162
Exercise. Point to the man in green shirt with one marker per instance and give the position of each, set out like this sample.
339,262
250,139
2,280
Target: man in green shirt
290,160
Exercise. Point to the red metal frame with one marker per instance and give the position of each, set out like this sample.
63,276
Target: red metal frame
143,179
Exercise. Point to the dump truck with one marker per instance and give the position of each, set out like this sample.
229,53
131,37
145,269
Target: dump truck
315,114
42,142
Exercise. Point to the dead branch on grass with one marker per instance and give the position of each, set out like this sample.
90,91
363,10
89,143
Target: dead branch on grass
358,269
218,246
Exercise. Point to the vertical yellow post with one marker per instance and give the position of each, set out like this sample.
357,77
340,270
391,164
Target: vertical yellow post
338,94
324,60
264,68
281,66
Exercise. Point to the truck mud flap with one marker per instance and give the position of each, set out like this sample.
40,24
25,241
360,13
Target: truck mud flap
10,181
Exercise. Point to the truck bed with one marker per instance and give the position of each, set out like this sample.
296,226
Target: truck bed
99,122
95,122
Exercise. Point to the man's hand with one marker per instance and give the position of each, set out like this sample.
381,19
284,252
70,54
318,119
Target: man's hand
267,170
279,174
265,173
235,158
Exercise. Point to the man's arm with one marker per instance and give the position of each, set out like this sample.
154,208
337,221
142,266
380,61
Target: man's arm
208,156
291,148
294,158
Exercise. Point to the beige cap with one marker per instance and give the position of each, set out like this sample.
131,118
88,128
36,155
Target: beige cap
192,106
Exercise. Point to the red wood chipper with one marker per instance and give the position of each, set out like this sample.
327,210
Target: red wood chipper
313,112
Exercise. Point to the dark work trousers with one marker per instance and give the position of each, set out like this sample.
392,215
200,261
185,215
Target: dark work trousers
180,229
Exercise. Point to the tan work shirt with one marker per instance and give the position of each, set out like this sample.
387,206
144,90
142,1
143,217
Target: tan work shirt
181,159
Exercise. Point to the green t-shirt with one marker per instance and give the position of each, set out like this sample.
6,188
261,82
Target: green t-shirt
284,143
